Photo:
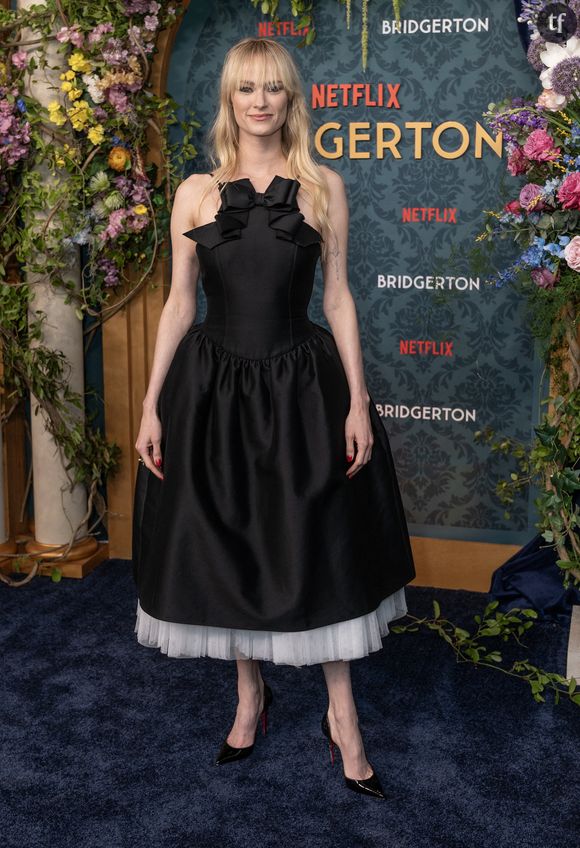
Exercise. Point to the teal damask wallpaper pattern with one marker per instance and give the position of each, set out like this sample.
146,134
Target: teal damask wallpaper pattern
445,359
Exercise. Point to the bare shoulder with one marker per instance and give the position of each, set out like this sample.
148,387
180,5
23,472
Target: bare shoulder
188,194
333,178
192,186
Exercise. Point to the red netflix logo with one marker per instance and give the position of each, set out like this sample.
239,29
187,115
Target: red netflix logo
422,346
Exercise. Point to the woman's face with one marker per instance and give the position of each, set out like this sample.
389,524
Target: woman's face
260,110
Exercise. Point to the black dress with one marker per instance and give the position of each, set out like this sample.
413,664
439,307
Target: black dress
256,543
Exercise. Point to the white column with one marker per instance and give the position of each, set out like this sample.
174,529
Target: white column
58,509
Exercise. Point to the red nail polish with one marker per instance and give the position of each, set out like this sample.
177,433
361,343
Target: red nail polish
349,458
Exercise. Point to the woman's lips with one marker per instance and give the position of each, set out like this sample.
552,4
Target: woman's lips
260,117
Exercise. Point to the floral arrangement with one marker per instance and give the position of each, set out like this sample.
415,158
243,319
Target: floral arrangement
73,176
542,137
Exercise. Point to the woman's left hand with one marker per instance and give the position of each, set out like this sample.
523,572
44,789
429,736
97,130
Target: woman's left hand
358,430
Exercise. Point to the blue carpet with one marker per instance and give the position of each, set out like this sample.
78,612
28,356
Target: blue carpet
107,743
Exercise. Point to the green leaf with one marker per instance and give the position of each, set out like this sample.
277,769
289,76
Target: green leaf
436,608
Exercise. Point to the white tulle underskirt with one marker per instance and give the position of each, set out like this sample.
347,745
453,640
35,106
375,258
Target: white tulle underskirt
345,640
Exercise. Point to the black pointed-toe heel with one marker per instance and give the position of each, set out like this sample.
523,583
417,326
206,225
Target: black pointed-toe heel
366,786
227,752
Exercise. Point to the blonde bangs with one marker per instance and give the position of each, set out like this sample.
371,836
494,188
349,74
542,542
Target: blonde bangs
271,63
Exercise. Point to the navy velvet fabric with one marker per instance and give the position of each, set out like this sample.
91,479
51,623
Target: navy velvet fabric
105,743
531,578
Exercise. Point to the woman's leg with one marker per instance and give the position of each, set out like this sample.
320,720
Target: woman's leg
250,704
343,720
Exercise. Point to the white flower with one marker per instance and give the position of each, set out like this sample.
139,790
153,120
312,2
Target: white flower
556,53
92,83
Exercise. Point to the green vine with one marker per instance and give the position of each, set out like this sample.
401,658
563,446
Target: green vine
471,648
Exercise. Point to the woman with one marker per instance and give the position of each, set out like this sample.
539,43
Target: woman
268,523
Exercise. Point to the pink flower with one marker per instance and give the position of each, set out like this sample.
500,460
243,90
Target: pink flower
544,278
550,100
116,224
572,253
530,198
71,34
99,31
20,59
514,207
569,192
517,162
136,223
540,147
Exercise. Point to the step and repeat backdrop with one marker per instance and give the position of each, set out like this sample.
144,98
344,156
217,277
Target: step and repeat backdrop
445,354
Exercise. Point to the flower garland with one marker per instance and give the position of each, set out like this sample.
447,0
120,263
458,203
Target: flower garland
543,145
303,10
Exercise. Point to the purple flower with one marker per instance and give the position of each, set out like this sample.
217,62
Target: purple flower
136,7
530,198
117,97
114,52
140,193
124,184
537,45
566,77
14,134
543,277
110,271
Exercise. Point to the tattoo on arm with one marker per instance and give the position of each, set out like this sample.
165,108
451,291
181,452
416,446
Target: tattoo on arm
335,253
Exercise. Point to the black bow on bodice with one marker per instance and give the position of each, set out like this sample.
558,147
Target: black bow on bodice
239,197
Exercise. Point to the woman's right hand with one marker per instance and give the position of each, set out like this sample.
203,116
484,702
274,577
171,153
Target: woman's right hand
150,438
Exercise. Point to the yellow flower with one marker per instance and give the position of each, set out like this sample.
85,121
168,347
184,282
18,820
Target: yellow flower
96,134
79,114
74,94
60,162
68,75
78,63
66,86
140,209
119,159
55,116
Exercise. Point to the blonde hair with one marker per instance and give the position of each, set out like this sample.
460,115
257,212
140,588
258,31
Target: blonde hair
273,63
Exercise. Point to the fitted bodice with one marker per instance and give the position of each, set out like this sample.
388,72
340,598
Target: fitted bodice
258,260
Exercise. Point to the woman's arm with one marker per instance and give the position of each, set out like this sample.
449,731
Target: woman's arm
340,312
176,317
